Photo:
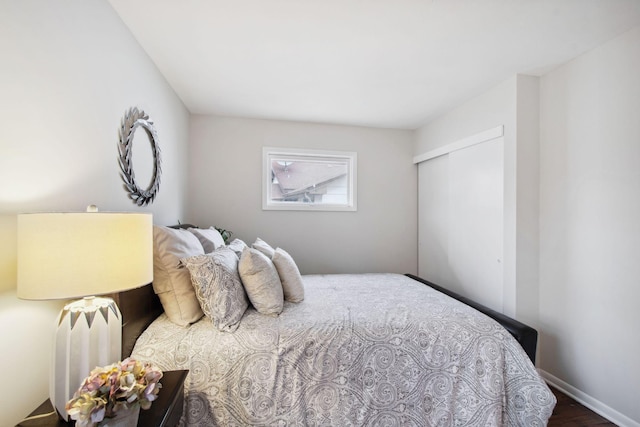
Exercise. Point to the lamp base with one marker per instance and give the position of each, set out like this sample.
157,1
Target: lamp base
88,334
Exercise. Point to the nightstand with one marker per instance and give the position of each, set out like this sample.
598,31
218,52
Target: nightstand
164,412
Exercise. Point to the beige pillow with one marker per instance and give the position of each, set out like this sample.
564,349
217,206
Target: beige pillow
171,280
218,287
210,238
290,277
263,247
261,281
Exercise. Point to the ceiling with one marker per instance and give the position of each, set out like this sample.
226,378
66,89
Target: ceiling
380,63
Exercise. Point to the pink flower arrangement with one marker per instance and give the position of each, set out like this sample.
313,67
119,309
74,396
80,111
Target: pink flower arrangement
113,388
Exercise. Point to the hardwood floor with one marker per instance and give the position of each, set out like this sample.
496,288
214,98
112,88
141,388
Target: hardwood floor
568,412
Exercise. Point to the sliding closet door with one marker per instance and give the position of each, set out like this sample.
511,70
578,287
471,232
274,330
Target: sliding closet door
461,221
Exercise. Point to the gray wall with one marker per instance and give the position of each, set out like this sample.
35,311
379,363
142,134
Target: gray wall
226,185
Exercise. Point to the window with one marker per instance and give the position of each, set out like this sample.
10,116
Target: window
296,179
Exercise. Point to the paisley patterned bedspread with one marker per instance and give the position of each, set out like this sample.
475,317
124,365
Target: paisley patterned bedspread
366,349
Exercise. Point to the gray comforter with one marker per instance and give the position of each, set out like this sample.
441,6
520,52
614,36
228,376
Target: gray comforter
372,349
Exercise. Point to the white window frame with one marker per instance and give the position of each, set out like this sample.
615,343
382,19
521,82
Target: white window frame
315,155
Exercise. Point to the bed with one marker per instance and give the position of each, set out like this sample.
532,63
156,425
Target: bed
360,349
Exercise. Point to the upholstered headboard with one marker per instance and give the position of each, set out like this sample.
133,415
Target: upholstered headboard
139,307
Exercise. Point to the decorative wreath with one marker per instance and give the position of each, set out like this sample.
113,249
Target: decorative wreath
131,120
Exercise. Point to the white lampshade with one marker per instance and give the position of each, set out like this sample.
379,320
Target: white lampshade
70,255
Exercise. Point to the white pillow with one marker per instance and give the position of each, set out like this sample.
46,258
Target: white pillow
261,281
218,287
290,277
171,280
237,246
210,238
263,247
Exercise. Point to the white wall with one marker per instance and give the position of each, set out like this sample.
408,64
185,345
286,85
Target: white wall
226,185
69,71
590,226
526,188
494,107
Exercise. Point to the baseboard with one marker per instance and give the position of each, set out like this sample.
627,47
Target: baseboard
594,404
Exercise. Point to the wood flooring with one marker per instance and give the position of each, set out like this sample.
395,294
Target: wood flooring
568,412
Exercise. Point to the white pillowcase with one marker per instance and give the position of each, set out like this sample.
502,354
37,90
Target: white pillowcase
171,281
263,247
218,287
292,285
261,282
210,238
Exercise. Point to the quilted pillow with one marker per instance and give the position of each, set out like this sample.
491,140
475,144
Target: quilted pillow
171,280
290,277
263,247
218,287
261,281
210,238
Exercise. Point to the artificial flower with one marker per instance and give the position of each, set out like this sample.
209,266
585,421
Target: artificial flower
114,388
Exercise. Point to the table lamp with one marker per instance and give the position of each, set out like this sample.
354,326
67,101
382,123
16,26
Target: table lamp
81,255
